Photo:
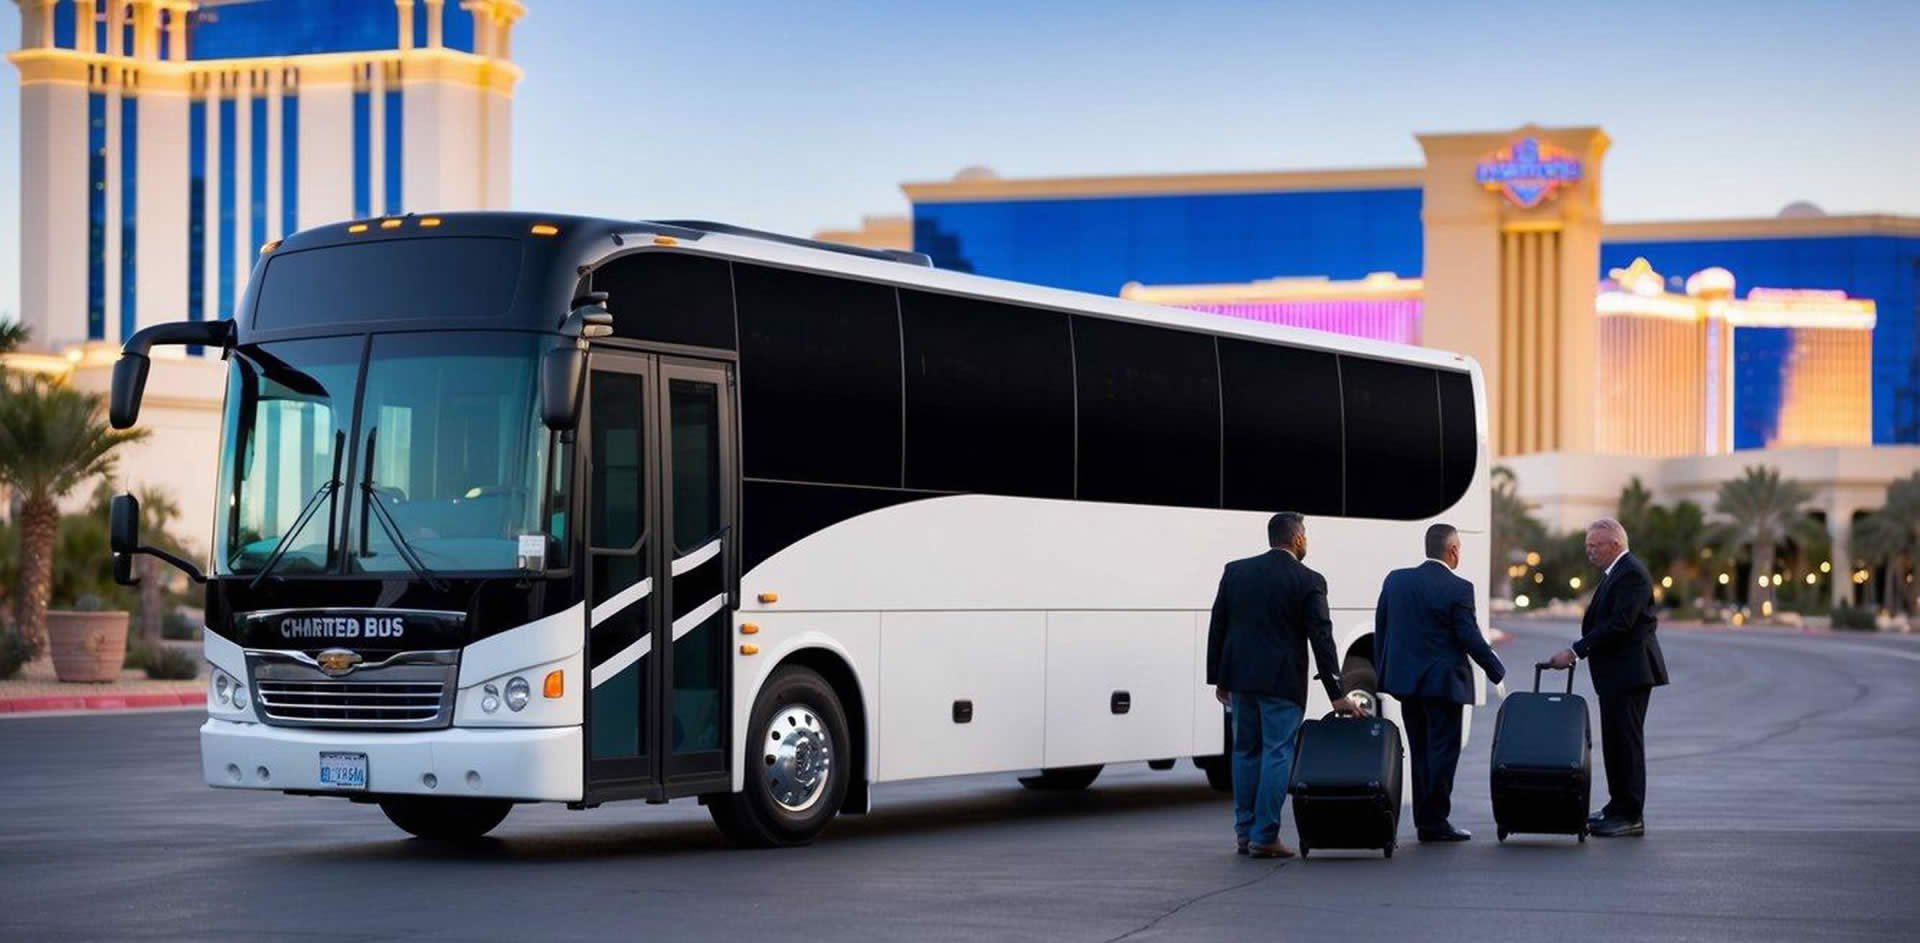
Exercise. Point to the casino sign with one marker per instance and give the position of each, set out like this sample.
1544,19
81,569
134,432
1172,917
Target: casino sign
1528,171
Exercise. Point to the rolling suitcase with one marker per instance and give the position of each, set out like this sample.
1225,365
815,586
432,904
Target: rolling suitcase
1346,783
1542,762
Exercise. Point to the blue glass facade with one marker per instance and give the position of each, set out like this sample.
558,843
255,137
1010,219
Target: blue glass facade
289,164
1883,268
1099,244
96,216
297,27
1760,362
197,209
362,155
393,140
129,211
257,179
229,199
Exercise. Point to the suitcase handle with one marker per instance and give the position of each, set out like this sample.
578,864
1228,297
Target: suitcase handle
1538,666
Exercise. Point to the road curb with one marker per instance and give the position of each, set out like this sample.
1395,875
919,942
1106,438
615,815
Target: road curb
101,702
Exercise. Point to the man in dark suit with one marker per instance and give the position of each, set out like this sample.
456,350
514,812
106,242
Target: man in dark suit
1617,640
1424,632
1268,609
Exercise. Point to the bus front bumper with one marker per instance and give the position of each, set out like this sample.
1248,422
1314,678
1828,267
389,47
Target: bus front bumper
539,763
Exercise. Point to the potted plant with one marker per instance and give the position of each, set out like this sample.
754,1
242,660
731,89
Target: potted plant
89,641
52,439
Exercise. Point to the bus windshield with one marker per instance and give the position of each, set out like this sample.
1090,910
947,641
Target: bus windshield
447,439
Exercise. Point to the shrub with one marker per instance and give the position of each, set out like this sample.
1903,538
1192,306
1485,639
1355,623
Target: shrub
177,626
136,659
1858,618
14,652
170,664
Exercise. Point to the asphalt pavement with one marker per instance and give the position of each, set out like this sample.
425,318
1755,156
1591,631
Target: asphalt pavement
1784,804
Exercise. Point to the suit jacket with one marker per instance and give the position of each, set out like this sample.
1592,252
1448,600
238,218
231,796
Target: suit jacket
1424,632
1617,631
1269,608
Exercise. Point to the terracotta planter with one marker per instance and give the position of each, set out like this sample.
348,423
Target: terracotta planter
87,646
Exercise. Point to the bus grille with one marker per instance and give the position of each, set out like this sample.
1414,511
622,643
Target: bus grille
352,702
410,690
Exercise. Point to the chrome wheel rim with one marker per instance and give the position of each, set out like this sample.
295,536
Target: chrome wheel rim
797,754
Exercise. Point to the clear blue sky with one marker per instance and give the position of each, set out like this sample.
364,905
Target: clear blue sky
798,116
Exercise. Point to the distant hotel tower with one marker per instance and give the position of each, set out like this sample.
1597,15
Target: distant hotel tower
163,142
1704,373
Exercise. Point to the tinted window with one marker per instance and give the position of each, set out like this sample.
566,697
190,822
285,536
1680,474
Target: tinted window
669,297
696,463
618,492
1460,440
1281,426
1149,414
457,281
1393,439
819,378
989,397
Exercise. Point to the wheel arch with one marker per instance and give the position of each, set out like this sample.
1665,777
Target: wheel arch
838,672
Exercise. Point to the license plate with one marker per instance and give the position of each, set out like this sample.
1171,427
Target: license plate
343,770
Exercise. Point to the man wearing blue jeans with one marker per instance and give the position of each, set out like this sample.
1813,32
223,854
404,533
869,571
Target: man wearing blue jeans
1268,610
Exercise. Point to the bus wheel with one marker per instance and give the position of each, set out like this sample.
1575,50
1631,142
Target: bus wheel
796,764
1219,770
1062,778
445,819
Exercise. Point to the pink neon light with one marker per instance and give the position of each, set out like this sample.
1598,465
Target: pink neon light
1396,320
1795,294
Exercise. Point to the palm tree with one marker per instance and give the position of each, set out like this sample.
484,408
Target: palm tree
12,335
1763,510
1674,539
51,440
1514,526
1891,537
1635,508
157,510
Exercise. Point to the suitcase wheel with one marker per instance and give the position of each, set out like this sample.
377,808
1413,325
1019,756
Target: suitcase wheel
1583,836
1503,835
1304,850
1389,851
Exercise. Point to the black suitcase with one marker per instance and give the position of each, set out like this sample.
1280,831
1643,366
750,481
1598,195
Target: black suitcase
1346,783
1542,762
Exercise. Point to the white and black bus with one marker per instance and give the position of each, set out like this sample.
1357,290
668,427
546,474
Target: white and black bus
522,508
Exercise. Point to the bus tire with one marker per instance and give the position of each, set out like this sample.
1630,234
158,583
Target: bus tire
797,760
439,819
1062,778
1219,770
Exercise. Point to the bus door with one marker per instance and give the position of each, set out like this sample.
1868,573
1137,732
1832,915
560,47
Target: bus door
659,447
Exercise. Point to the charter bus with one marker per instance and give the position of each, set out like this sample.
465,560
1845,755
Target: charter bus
518,508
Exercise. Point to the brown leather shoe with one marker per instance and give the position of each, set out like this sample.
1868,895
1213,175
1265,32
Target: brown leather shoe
1276,850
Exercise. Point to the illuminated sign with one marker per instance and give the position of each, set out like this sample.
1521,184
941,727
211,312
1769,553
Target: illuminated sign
1528,171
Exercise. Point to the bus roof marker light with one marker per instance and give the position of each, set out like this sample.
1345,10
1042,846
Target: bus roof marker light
429,222
665,241
389,224
269,247
357,228
545,229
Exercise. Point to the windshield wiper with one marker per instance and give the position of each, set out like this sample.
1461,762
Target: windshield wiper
306,511
388,524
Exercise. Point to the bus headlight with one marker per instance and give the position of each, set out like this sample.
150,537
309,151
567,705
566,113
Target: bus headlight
239,696
490,698
518,691
220,684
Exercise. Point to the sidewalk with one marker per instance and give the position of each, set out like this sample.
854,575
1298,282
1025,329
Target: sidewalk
36,690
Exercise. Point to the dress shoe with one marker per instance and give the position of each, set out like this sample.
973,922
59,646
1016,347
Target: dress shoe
1275,850
1240,846
1446,834
1619,828
1594,821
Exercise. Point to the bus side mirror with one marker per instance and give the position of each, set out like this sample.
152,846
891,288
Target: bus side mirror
130,371
123,527
561,370
123,538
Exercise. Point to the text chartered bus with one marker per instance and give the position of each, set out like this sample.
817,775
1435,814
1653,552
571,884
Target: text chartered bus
521,508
